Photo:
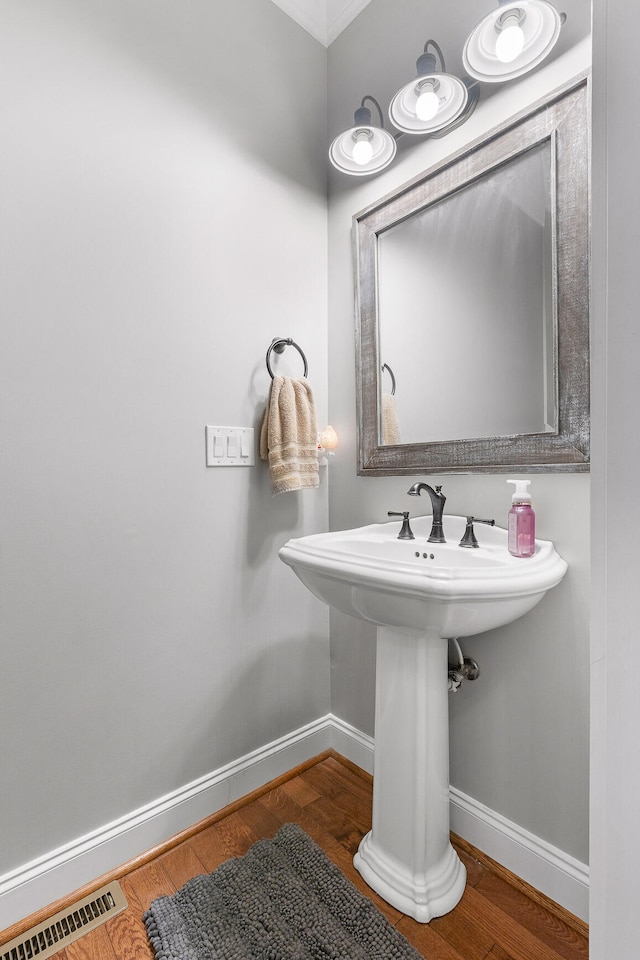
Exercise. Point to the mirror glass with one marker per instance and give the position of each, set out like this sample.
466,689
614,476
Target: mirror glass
472,306
440,321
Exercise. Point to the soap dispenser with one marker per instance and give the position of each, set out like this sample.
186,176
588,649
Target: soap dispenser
522,521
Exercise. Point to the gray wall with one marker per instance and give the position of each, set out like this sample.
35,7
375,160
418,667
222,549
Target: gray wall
520,733
615,837
162,218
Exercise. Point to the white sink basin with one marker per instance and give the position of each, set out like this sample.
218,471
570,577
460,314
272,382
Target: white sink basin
370,574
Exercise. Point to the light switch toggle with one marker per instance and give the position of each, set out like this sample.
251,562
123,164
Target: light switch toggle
230,446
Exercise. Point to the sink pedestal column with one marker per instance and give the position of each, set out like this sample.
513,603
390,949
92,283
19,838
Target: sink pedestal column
407,856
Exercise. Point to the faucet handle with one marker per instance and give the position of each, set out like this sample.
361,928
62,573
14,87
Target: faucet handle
405,533
469,537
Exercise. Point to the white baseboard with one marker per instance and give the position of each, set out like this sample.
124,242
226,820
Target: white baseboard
352,744
547,868
34,885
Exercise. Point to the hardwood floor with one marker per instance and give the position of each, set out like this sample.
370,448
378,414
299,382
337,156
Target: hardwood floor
498,918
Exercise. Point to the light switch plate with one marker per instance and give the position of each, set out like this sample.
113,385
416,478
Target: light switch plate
237,441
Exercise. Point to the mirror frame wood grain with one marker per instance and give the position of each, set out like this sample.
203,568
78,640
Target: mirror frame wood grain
562,119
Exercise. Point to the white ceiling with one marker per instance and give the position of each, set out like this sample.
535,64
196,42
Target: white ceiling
323,19
326,19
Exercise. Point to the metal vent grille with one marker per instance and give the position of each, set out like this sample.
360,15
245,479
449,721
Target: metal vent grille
63,928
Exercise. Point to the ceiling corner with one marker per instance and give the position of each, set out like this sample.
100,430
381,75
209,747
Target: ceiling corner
311,15
340,13
323,19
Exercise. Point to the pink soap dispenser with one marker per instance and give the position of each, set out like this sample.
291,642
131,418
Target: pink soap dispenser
522,521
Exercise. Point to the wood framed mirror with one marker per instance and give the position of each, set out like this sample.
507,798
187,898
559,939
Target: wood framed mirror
472,302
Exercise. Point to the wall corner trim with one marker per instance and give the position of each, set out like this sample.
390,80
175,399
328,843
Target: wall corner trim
52,876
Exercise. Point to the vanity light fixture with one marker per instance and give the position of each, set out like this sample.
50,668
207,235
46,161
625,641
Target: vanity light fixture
434,101
364,148
508,42
512,39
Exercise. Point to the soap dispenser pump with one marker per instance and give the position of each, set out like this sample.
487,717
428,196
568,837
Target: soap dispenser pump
522,521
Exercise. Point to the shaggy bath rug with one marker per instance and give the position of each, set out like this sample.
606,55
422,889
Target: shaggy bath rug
284,900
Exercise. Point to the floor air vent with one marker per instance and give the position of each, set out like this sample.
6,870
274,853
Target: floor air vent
57,932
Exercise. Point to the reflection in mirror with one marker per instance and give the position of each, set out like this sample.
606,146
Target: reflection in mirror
446,314
472,287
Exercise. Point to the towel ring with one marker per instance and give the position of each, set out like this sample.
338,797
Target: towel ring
385,366
278,345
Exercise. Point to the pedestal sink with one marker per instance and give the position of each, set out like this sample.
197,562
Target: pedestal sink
420,595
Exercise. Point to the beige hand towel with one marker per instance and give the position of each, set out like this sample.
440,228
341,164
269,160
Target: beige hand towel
389,418
289,436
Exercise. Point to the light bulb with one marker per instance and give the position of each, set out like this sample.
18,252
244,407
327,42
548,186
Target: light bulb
428,103
362,150
510,41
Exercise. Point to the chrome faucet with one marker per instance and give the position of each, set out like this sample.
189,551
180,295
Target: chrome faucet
438,500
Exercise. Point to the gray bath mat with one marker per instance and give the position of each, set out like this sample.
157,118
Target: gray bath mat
284,900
